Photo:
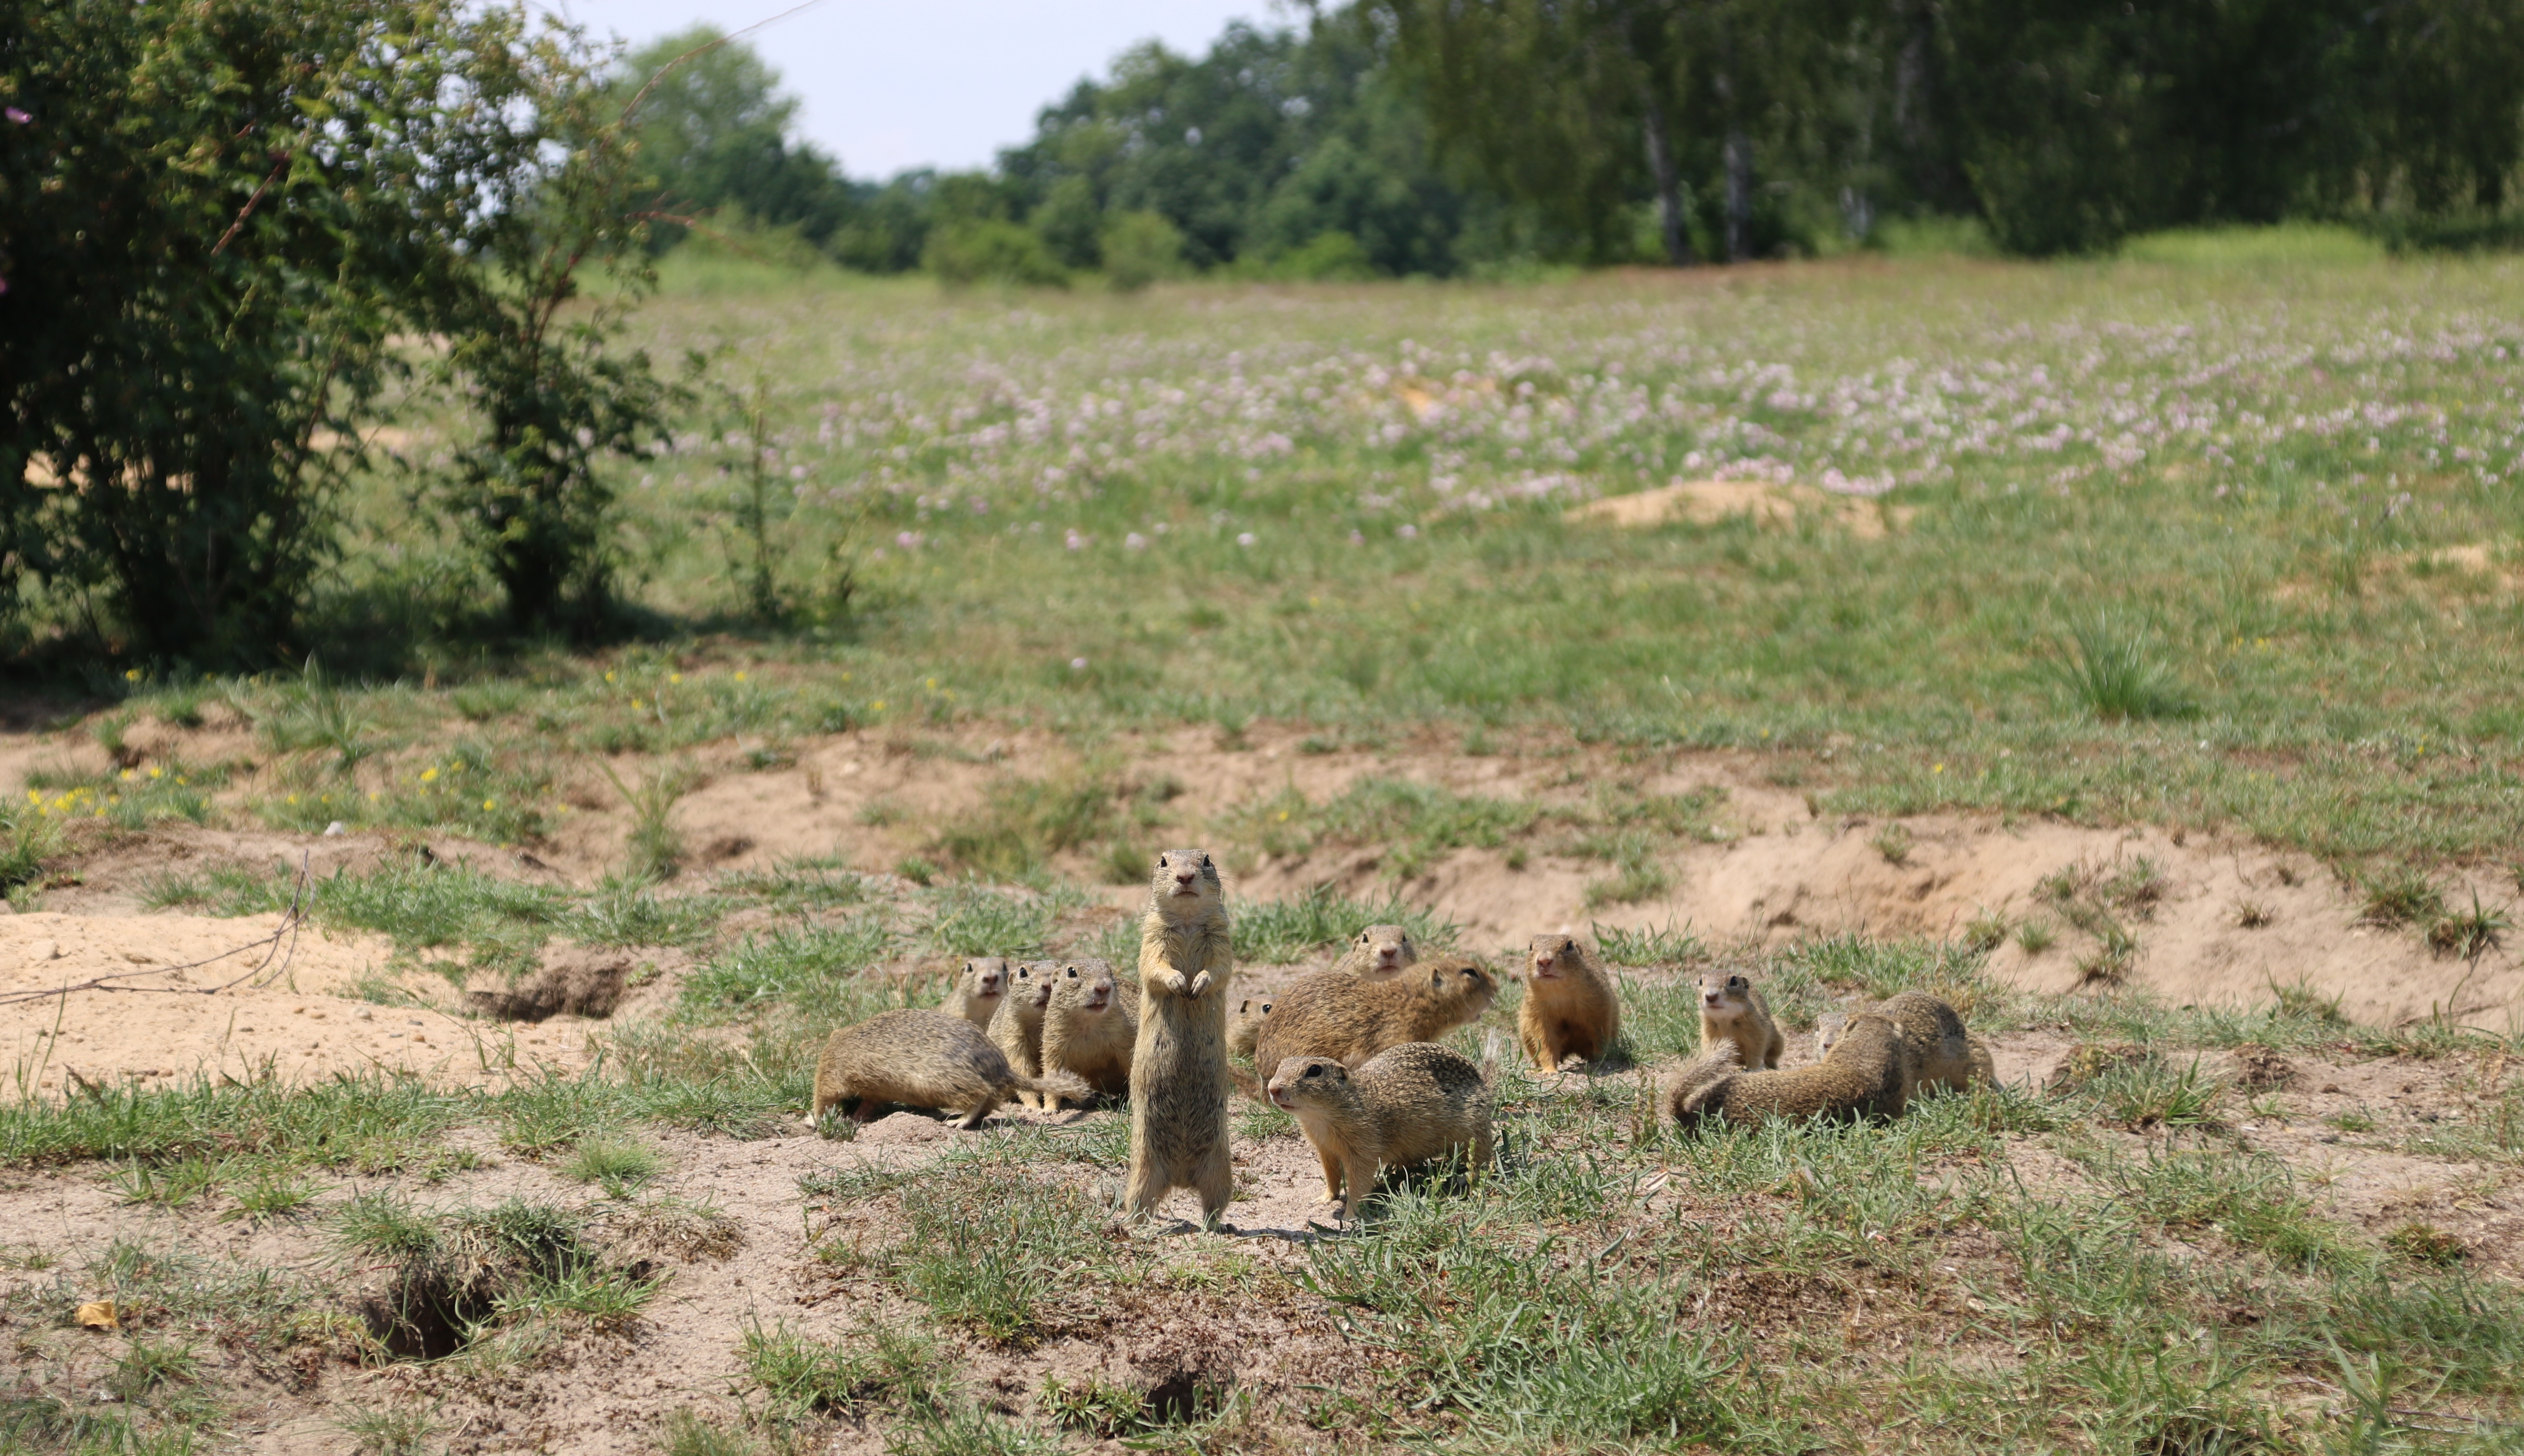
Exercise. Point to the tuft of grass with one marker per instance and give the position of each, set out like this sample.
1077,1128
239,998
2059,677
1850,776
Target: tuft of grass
814,968
1022,823
466,1274
2148,1092
2036,936
969,920
654,849
2469,934
994,1250
2114,954
622,1167
2300,1001
689,1433
2252,914
1651,945
274,1192
1274,931
2112,671
1893,842
875,1367
2401,896
1985,931
1637,874
387,1431
2423,1244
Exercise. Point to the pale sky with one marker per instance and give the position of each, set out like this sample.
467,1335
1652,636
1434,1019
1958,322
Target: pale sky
929,82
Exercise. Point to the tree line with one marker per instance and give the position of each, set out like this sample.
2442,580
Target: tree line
1439,137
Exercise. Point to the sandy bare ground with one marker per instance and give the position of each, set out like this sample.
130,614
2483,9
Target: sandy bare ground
600,1392
1781,872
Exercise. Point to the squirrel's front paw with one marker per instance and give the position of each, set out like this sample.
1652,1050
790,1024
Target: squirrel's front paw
1199,984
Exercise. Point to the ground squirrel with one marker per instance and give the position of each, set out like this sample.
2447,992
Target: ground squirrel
1378,950
1569,1006
1179,1063
923,1060
1733,1010
1088,1029
1867,1075
1943,1053
979,986
1408,1104
1246,1024
1333,1013
1016,1027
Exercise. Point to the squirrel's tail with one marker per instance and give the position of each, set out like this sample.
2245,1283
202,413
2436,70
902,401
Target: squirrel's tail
1690,1086
1247,1083
1067,1085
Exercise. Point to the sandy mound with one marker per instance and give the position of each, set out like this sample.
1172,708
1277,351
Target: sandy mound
186,994
1708,501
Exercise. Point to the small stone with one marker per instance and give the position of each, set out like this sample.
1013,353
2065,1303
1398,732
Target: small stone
336,830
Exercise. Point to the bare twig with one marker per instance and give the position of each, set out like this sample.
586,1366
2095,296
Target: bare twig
247,211
283,942
703,50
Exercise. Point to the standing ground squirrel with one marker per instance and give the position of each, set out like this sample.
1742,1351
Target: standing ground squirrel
1570,1007
1016,1028
923,1060
1089,1029
1943,1053
1246,1023
1733,1010
1179,1063
1378,950
1411,1104
979,987
1336,1014
1867,1075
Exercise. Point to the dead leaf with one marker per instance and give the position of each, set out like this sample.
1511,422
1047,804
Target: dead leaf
98,1314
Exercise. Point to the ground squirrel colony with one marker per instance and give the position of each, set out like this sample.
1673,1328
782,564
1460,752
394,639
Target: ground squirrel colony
1412,1104
1017,1027
979,986
1179,1063
1733,1010
1570,1009
1089,1029
1378,950
1943,1052
1336,1014
1867,1075
923,1060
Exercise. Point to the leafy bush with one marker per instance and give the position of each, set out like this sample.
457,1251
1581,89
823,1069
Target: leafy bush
234,209
989,251
1140,249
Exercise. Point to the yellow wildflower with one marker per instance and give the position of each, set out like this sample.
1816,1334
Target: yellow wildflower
429,775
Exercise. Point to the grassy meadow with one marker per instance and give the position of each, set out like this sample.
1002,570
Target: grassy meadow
2220,535
2228,538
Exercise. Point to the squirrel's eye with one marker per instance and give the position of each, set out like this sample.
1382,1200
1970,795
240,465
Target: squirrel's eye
1314,1071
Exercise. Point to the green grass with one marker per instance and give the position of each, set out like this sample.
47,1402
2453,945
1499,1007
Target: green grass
2242,478
1272,931
2169,542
